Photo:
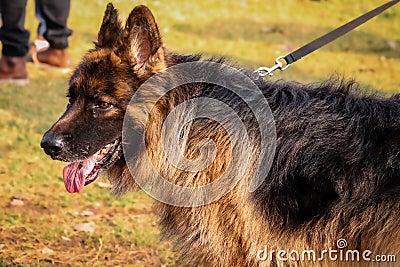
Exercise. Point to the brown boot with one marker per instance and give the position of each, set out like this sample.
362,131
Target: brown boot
13,69
54,57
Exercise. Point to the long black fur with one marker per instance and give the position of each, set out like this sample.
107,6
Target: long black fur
335,145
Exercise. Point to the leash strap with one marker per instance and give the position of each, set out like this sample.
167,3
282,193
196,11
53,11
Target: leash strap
323,40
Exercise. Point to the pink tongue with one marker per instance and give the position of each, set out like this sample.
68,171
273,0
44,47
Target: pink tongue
75,174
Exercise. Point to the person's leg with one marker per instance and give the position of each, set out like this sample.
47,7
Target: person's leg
14,38
13,35
56,15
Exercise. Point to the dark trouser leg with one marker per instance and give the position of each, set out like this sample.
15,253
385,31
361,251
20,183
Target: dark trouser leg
13,35
55,13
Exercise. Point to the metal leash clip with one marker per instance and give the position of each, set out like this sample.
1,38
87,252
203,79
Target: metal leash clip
264,71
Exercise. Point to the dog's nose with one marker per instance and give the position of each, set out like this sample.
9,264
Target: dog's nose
52,145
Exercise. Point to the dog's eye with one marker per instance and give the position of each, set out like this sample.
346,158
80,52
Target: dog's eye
105,105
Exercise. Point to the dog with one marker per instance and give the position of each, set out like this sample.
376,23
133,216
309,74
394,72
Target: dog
332,189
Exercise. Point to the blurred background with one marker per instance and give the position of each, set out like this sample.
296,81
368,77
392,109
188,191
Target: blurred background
42,225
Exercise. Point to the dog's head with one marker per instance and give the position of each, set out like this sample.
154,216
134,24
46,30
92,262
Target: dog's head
89,132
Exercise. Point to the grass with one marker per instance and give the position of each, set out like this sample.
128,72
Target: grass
252,33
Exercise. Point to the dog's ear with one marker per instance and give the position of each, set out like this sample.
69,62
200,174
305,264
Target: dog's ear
141,43
110,30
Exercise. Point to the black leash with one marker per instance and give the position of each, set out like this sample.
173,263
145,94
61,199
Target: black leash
323,40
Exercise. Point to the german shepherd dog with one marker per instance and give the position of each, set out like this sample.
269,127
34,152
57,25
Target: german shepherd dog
330,198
